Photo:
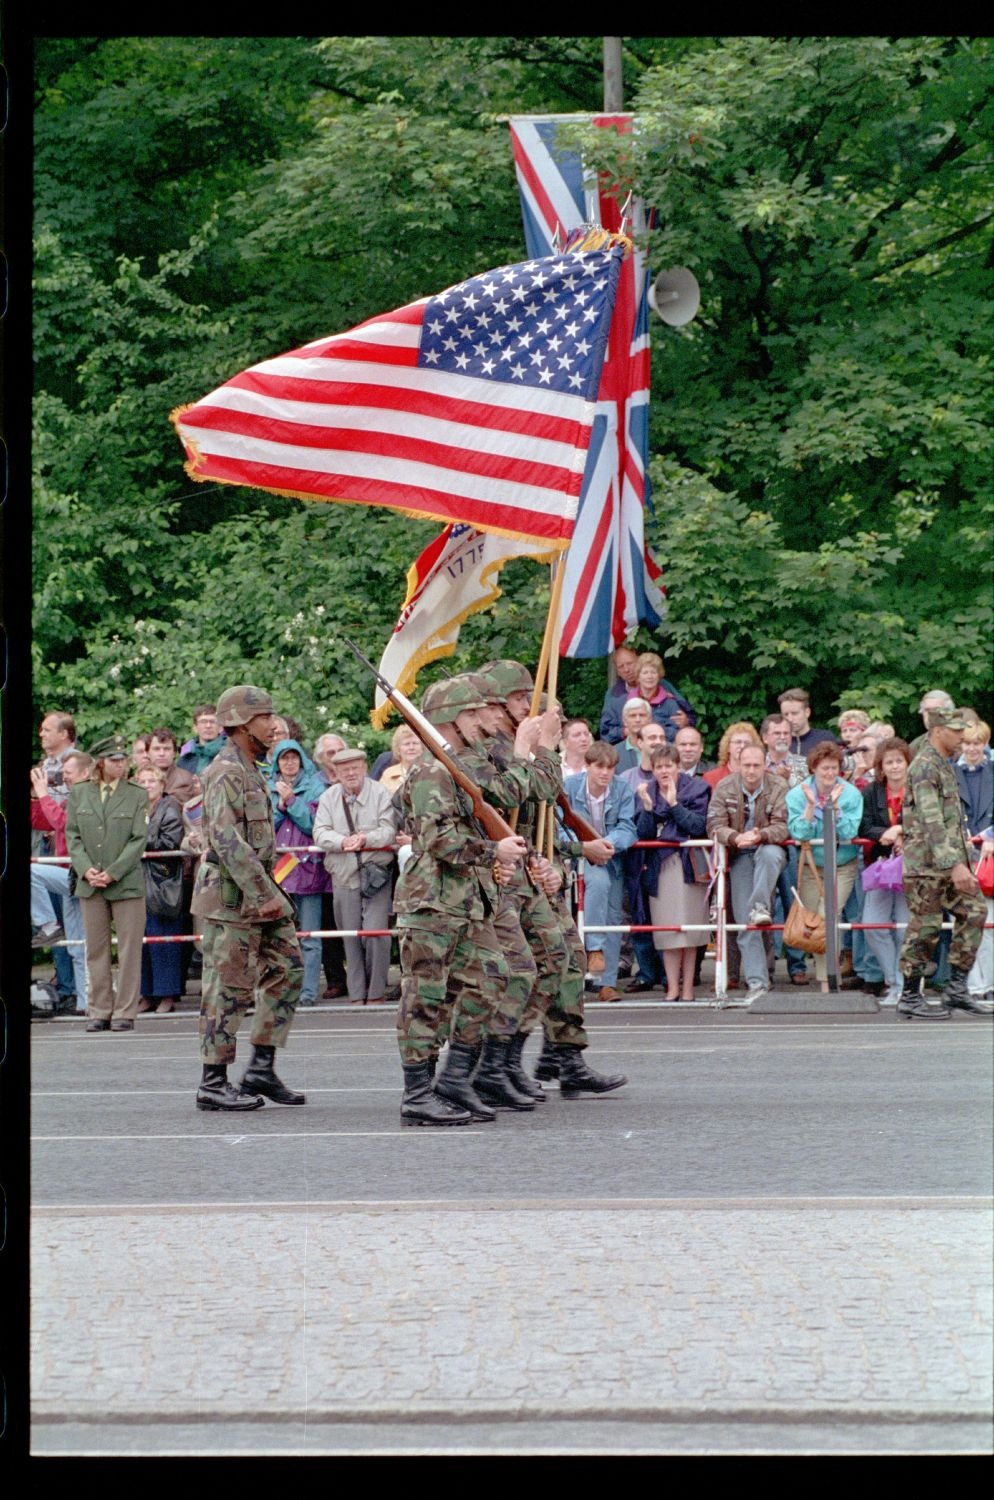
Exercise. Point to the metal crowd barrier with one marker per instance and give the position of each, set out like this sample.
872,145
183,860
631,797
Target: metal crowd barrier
720,927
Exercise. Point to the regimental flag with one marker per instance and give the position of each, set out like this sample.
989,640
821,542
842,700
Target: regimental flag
611,583
455,576
474,406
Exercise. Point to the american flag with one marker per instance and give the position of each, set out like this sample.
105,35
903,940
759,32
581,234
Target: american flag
474,406
612,583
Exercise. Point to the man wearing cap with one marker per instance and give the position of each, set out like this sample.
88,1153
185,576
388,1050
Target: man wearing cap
106,831
452,963
937,872
356,825
249,929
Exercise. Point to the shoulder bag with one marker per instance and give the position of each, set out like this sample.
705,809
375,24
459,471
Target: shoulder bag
805,929
372,876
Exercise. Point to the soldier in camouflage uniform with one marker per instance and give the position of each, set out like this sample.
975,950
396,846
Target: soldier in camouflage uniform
249,933
558,998
524,768
937,872
452,964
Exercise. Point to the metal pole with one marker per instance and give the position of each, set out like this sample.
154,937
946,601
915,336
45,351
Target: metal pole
614,84
830,876
720,936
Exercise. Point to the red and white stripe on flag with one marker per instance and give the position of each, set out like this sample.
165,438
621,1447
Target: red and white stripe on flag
612,582
474,406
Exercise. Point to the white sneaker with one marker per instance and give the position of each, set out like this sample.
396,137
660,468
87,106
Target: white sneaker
893,995
760,917
755,991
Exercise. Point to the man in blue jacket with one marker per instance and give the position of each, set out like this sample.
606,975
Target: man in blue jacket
609,807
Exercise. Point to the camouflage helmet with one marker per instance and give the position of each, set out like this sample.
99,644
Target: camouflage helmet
491,688
444,700
508,677
240,704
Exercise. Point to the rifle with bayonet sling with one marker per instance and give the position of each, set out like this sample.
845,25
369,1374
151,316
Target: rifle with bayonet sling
489,819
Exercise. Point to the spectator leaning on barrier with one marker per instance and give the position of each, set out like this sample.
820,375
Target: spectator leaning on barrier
295,787
975,778
673,808
608,805
332,948
883,802
356,825
805,820
748,814
49,816
162,963
938,875
651,737
106,829
626,665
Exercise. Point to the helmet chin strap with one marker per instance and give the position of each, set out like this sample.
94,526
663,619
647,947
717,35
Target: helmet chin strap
261,748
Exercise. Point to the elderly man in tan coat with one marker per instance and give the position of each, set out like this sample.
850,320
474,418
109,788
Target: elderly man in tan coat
356,825
748,814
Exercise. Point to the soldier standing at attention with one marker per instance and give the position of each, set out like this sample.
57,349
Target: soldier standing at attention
249,935
937,873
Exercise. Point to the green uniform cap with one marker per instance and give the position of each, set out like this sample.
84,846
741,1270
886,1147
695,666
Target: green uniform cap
240,704
114,744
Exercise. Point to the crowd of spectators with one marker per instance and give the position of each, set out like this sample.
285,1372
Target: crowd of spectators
645,779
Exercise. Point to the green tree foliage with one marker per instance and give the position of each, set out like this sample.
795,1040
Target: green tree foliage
820,432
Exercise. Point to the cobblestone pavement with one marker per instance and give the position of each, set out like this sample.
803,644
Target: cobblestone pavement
347,1313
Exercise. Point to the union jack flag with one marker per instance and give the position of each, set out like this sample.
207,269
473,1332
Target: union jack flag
612,583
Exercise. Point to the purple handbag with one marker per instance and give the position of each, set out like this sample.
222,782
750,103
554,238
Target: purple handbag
885,874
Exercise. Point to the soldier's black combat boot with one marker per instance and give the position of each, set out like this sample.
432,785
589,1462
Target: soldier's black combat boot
576,1078
913,1002
453,1083
956,996
420,1106
260,1078
493,1082
215,1092
547,1067
516,1069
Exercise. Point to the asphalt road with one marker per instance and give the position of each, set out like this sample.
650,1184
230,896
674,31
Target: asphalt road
776,1238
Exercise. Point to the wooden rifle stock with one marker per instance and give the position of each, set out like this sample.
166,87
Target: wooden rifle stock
574,821
489,819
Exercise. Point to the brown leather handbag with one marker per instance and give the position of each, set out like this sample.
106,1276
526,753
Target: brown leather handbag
805,929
